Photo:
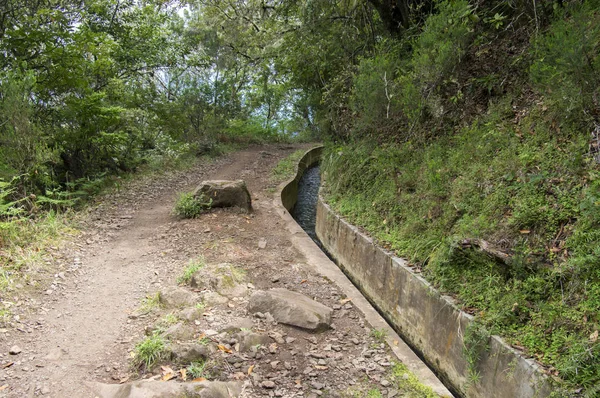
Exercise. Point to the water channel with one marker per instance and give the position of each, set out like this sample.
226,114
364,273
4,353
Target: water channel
305,210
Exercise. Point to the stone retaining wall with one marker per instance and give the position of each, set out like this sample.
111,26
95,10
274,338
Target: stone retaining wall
429,322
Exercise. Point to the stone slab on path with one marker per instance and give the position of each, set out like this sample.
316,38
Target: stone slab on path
291,308
172,389
223,193
177,297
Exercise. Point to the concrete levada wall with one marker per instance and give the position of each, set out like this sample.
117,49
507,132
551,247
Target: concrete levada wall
429,322
318,261
289,193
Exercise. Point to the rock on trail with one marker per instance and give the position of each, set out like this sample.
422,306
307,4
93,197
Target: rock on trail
160,389
176,297
224,193
291,308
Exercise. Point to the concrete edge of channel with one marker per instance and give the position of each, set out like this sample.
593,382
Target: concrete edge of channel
320,263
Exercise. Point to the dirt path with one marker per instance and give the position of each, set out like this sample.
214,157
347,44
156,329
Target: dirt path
83,323
82,329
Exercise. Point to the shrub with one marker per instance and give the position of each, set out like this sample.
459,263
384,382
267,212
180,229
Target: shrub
566,65
374,89
440,48
190,206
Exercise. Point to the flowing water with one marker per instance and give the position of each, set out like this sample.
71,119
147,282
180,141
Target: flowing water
305,211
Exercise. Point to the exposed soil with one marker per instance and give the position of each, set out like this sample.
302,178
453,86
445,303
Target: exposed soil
85,325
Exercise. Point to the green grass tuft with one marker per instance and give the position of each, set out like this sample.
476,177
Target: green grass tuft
150,303
408,384
379,335
189,271
149,351
197,369
286,168
189,206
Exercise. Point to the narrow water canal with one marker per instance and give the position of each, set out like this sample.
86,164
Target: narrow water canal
305,211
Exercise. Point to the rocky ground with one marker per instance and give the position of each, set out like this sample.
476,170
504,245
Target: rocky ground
119,290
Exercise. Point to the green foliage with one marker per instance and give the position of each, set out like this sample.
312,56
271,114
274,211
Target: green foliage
374,393
375,87
150,303
286,168
189,271
401,83
197,369
190,206
149,351
379,335
442,43
567,64
408,384
166,321
535,194
476,341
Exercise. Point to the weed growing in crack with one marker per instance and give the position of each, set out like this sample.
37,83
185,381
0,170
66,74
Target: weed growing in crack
149,351
167,320
204,341
379,334
476,341
408,384
189,271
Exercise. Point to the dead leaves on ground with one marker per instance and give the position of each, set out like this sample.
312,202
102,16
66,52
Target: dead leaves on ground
167,373
594,337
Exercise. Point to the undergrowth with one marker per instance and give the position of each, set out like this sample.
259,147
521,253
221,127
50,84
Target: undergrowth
25,243
491,185
534,195
190,206
286,167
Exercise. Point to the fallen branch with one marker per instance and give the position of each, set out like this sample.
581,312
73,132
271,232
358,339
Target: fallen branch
487,248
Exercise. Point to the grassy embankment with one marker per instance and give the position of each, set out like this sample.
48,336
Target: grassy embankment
499,204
